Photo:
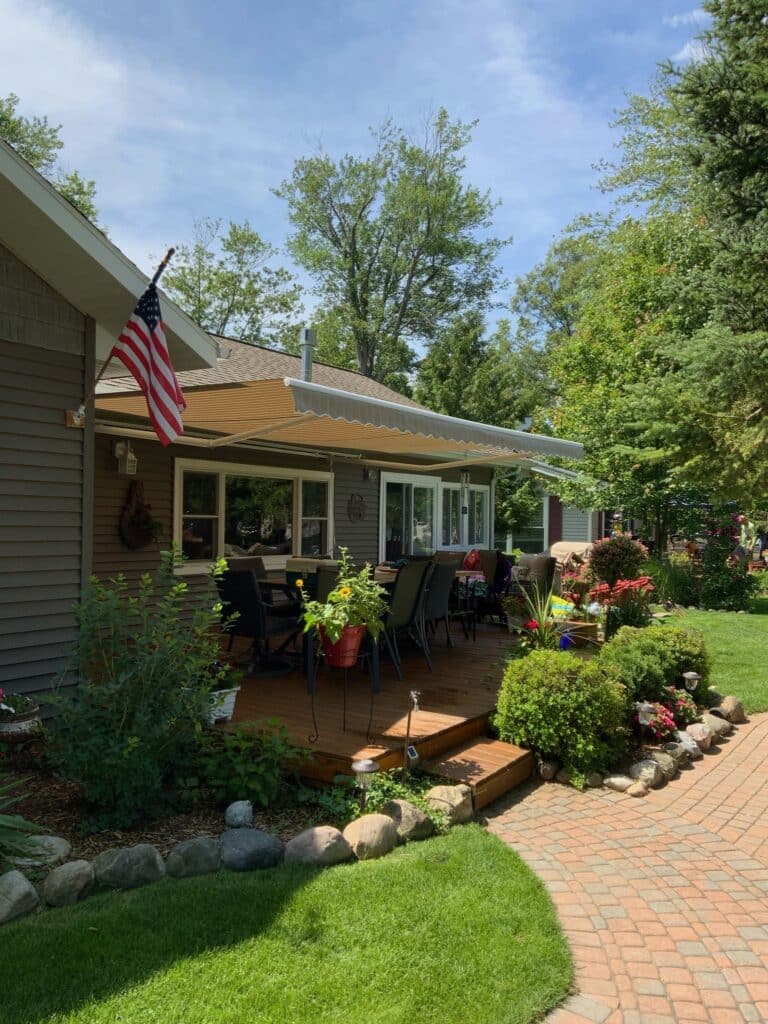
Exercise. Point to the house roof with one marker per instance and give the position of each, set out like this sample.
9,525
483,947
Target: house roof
51,237
240,362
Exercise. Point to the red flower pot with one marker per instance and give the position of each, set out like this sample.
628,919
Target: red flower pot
343,653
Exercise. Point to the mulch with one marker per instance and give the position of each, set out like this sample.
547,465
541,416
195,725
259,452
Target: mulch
56,806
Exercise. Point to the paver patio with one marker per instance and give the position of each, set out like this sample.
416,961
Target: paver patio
664,899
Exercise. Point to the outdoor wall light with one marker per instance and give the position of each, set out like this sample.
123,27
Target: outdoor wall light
692,680
126,460
364,771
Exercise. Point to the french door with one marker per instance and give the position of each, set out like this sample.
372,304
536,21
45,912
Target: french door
408,516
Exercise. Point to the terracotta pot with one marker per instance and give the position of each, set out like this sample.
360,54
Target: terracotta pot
343,653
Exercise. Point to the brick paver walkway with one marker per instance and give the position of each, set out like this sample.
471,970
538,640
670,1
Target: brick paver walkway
664,900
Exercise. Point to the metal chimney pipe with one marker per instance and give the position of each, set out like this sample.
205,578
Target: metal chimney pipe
308,340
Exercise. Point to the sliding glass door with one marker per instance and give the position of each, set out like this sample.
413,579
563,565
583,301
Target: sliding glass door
408,516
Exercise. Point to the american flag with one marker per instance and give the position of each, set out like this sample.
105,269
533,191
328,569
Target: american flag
144,350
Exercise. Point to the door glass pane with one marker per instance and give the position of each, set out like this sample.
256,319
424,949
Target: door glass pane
477,517
423,520
198,537
199,497
314,537
451,522
259,515
314,499
395,538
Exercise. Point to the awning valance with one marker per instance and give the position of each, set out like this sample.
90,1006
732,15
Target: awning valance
304,414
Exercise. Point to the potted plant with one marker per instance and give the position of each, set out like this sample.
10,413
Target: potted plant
19,716
355,604
225,686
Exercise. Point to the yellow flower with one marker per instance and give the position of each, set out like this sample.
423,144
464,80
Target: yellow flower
345,591
299,583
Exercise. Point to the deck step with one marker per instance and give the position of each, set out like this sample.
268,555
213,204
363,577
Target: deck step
489,767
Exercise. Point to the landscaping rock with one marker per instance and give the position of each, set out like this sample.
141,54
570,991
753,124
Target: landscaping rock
410,821
678,752
43,851
733,710
17,896
701,733
618,783
666,762
720,727
594,780
455,802
638,788
563,776
548,770
648,771
250,849
129,867
68,883
322,846
199,856
690,745
371,836
239,814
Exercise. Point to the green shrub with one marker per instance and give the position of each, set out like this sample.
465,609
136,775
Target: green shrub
616,558
642,663
14,829
686,648
563,707
144,664
725,583
245,763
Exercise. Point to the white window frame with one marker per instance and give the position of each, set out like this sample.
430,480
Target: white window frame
225,469
439,487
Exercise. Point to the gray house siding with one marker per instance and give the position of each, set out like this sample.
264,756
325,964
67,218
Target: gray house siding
42,374
356,508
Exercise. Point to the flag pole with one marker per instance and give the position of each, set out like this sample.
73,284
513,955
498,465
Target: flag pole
76,417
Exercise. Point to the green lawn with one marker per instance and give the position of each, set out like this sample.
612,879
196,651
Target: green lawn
739,648
446,931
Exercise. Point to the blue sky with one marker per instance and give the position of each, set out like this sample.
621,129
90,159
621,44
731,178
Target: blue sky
182,108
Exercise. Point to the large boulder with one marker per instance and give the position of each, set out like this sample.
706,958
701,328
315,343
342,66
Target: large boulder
689,744
198,856
733,710
666,762
371,836
455,802
250,849
129,867
42,852
17,896
410,821
702,735
322,846
720,727
678,752
68,883
647,771
239,814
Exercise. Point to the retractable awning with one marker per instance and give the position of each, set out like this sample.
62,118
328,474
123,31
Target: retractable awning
304,414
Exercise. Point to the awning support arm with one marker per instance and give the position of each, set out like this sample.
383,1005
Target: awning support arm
269,428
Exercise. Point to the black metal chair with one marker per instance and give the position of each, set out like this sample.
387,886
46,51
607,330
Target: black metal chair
406,611
284,598
247,614
440,605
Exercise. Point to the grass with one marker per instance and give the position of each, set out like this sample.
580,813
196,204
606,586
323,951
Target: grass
737,644
445,931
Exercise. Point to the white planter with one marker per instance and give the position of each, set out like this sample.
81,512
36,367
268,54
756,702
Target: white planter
21,727
222,705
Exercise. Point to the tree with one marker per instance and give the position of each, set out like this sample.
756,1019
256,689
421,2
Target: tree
447,372
40,144
396,242
224,282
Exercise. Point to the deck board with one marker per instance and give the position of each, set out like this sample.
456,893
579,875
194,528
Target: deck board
455,703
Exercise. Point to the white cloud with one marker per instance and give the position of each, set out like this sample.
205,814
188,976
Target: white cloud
693,50
694,17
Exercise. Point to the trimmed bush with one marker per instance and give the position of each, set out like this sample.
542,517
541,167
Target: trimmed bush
616,558
643,663
686,648
562,707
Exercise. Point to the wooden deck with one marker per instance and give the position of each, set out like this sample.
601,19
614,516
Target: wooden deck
455,702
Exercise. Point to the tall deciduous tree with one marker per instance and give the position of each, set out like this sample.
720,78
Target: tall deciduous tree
396,242
225,283
40,144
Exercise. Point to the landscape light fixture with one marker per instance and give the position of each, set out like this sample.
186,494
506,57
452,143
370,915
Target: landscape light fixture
692,680
645,713
364,771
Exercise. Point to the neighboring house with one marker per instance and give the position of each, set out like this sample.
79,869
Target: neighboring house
275,465
65,293
555,522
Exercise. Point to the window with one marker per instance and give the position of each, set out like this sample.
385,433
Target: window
451,533
226,510
477,535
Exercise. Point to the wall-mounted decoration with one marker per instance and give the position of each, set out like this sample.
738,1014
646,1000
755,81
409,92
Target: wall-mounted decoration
356,508
137,526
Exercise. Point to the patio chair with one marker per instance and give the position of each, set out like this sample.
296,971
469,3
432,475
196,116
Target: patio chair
280,595
247,614
405,611
437,603
496,569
